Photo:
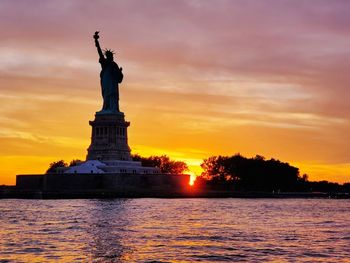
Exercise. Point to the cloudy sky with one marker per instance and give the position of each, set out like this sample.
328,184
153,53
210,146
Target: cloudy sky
201,78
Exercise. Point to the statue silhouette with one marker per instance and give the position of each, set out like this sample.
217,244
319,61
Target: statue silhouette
111,75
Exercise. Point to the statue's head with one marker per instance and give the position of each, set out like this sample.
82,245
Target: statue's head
109,54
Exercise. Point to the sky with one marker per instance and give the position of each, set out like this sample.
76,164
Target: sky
201,78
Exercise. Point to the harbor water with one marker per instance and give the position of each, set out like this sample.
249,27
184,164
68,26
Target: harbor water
175,230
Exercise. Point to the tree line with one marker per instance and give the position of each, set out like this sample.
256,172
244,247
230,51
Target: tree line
238,173
163,162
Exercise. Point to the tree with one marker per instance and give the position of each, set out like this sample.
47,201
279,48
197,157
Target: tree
218,168
163,162
54,165
223,168
75,162
257,173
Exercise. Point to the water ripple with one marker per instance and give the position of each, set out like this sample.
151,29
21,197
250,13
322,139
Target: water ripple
175,230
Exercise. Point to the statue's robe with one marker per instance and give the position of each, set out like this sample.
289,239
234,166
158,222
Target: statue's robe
111,75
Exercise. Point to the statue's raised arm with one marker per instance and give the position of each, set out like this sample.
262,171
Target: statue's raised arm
97,44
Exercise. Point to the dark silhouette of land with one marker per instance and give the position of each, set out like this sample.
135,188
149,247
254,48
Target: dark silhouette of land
237,174
223,176
240,174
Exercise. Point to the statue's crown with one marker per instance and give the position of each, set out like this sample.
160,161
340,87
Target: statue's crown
109,52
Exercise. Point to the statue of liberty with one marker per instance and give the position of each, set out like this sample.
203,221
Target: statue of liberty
111,75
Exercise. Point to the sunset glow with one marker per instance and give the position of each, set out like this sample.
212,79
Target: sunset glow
201,78
193,177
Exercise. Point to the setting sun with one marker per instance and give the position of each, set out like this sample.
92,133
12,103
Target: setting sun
193,177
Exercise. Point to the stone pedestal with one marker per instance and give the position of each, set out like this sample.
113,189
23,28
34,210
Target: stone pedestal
109,138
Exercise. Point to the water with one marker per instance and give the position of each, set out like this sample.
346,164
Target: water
175,230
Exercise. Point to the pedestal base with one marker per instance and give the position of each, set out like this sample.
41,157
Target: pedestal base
109,138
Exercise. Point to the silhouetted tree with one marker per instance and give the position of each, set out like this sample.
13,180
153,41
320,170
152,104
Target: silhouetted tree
75,162
257,173
220,168
54,165
163,162
305,178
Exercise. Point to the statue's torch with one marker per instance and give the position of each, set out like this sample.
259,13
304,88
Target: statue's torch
96,36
